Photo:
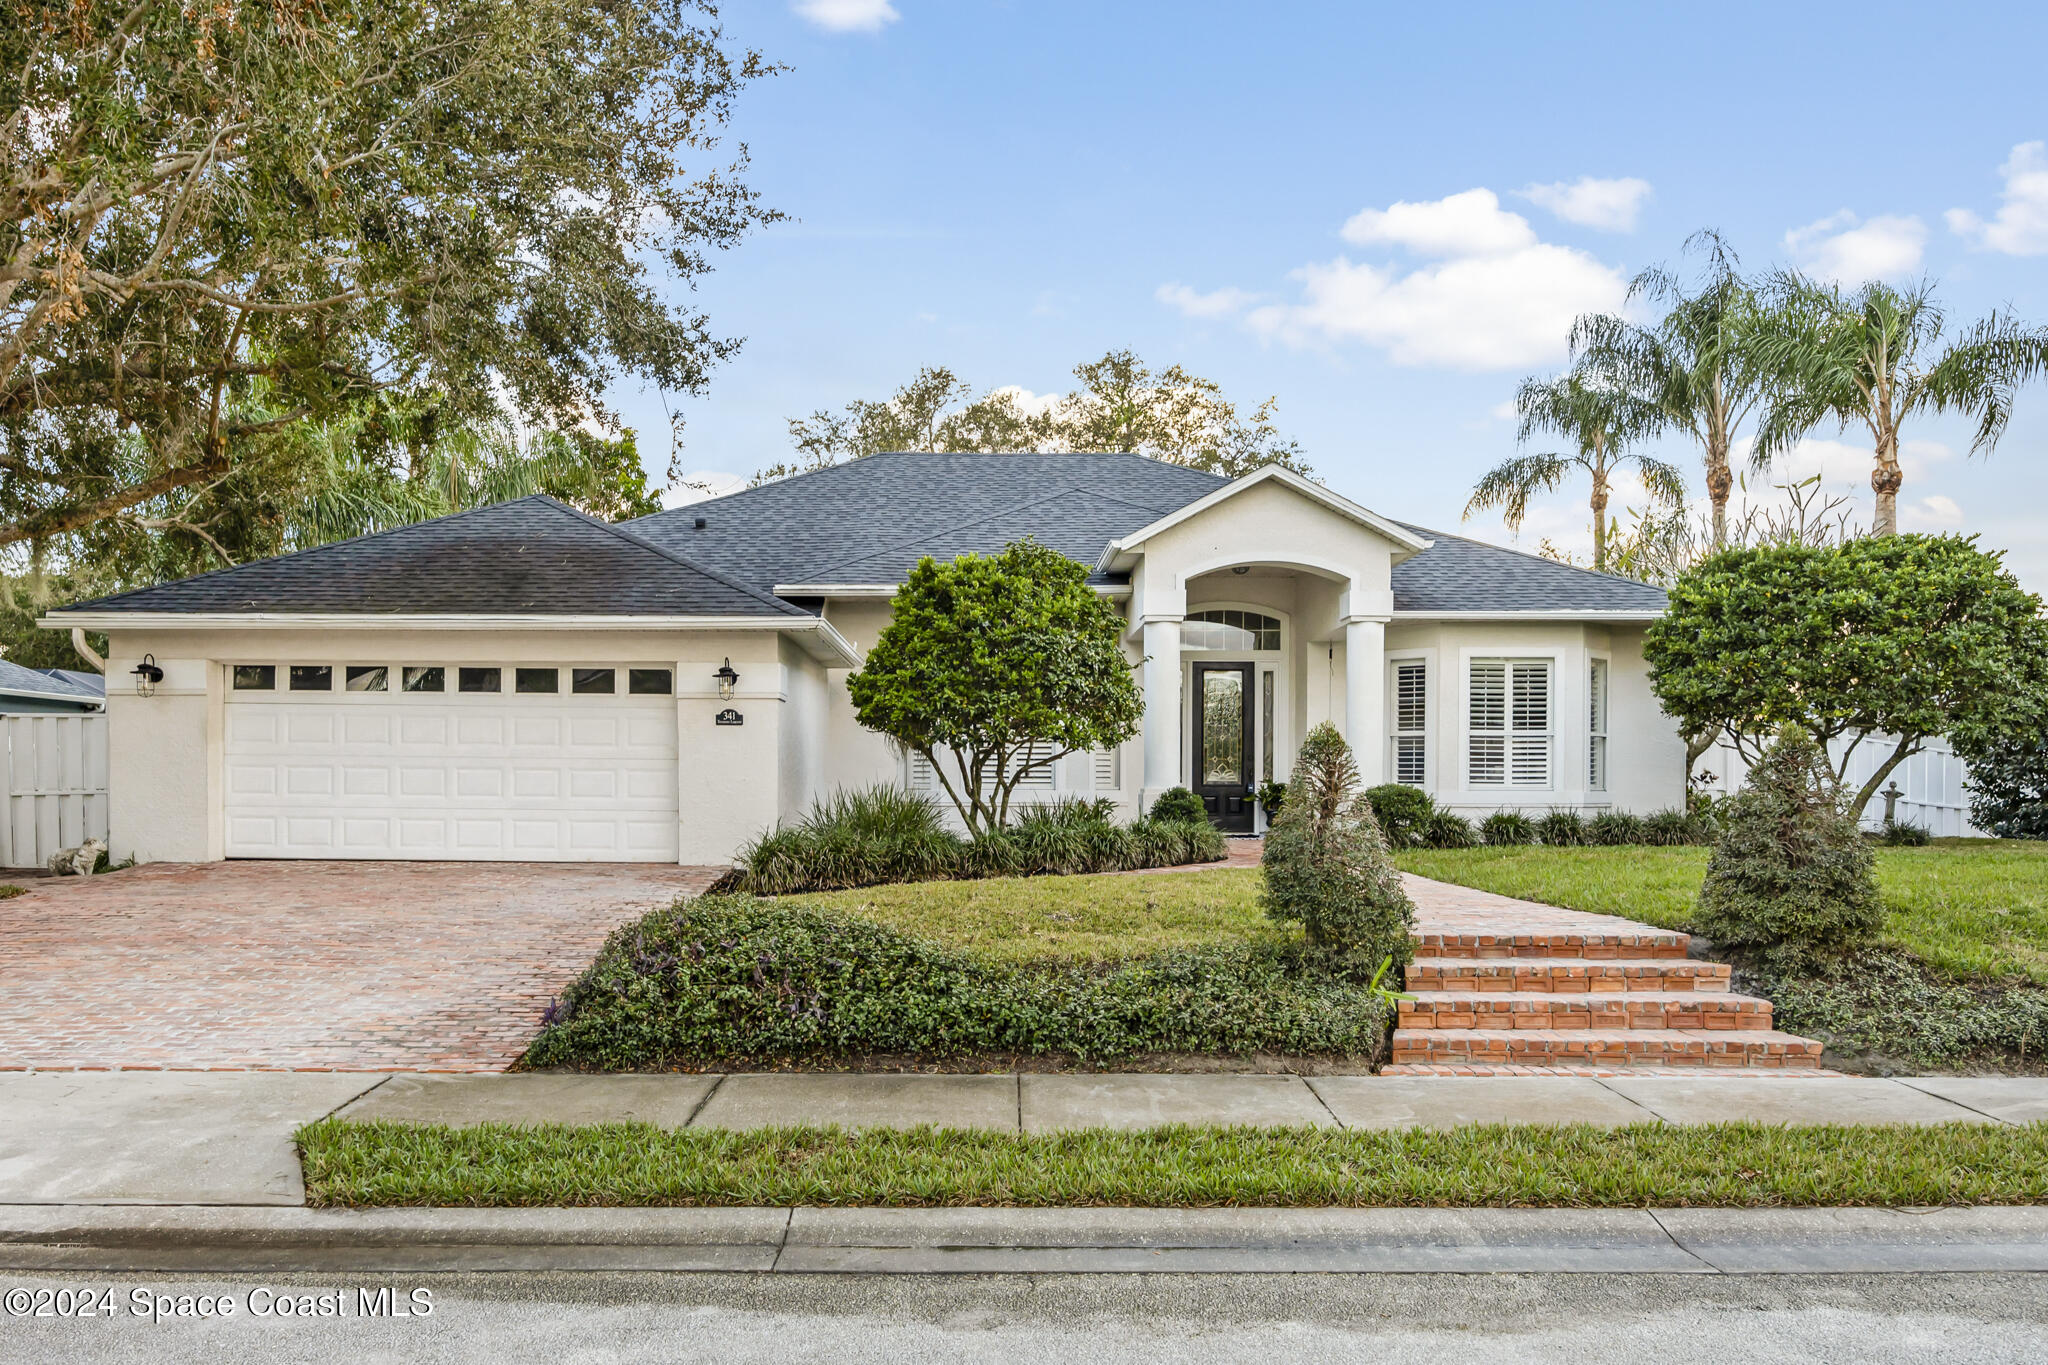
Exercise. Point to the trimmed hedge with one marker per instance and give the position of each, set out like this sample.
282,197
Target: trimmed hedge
725,979
883,835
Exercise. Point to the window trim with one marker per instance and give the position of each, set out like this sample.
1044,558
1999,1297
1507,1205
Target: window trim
1599,719
1468,661
1396,661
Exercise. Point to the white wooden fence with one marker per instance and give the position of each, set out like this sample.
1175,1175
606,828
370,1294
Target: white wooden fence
1931,782
56,786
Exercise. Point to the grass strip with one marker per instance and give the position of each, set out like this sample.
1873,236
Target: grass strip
1731,1165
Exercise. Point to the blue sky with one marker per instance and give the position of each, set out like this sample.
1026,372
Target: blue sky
1344,206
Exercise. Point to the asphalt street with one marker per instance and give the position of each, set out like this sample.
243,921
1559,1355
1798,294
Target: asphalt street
1026,1319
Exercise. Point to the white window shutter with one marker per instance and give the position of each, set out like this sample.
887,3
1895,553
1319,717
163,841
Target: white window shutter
1108,769
1508,722
921,777
1411,722
1038,779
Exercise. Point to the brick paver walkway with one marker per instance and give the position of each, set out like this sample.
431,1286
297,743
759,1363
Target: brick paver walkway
290,966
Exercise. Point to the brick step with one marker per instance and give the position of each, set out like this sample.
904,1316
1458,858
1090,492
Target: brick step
1816,1073
1665,1047
1564,976
1715,1010
1654,943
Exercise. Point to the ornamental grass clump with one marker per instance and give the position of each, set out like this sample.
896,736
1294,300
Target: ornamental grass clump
1327,866
1790,875
1507,829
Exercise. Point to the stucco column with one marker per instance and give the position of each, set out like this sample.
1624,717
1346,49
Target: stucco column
1365,697
1162,707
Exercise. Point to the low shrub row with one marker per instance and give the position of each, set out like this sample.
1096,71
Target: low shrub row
867,838
1889,1005
725,979
1412,820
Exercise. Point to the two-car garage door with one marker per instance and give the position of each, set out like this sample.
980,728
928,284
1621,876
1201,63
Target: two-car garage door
321,764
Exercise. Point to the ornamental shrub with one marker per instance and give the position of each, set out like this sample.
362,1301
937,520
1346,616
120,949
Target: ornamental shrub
1326,862
1507,829
1447,829
1614,827
1178,803
1790,874
2008,776
1670,829
1561,828
725,979
1904,834
1402,812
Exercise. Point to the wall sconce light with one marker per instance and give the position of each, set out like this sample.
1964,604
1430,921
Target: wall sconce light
147,676
726,680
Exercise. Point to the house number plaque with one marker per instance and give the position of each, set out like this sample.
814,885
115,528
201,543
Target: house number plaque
729,716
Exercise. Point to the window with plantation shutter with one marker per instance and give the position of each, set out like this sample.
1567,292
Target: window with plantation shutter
1596,752
921,778
1410,731
1508,723
1038,779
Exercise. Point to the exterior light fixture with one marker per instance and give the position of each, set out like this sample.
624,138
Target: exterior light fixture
727,679
147,676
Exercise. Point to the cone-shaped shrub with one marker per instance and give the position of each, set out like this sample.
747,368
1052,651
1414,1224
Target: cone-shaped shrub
1790,874
1326,861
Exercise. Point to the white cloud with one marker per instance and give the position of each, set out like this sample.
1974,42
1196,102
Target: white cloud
1029,403
2020,227
1493,312
1843,248
1609,205
701,485
848,16
1217,303
1931,513
1471,223
1504,411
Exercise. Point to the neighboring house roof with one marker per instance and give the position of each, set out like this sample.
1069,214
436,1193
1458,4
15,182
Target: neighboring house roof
533,556
52,684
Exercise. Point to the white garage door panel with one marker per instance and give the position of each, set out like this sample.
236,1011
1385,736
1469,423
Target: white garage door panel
571,778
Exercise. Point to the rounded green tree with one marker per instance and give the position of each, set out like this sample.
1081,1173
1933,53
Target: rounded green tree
1326,861
1790,874
995,667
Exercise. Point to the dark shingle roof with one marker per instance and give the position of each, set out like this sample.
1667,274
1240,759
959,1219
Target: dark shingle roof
806,528
1457,574
529,557
58,683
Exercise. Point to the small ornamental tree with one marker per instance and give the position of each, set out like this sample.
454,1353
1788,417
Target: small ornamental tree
1326,862
2008,766
1790,875
995,667
1905,636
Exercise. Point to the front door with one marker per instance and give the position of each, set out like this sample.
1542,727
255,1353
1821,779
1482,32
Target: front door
1223,744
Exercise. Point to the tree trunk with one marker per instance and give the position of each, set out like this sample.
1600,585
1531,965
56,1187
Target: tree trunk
1720,484
1600,527
1885,481
1907,747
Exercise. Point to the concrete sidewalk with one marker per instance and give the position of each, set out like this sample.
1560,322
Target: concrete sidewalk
168,1137
1036,1241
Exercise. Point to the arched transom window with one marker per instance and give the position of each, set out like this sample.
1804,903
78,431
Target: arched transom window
1231,629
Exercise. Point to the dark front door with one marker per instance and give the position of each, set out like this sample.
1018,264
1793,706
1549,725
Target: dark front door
1223,744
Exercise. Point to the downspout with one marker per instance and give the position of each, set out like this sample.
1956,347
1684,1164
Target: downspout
85,651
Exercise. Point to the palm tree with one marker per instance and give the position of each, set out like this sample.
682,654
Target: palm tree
1696,363
1602,419
1879,355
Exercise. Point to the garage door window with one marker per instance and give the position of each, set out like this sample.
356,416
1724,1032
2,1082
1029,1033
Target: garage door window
478,679
593,682
367,677
648,682
430,679
255,677
312,677
536,680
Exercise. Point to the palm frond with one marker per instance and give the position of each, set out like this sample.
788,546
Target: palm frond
1510,484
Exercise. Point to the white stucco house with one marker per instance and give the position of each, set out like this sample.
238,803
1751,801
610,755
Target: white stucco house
524,682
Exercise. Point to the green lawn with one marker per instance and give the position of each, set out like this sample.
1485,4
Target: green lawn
1103,917
1973,907
1736,1165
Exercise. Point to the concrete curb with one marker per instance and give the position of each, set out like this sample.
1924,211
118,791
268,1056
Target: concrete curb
985,1241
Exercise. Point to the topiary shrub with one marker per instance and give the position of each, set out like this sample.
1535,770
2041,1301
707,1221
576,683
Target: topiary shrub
1446,829
1616,827
1402,811
1178,803
1561,828
1790,874
1326,862
1507,829
726,978
1669,829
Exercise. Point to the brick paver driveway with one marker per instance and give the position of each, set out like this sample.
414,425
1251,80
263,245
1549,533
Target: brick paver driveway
305,965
